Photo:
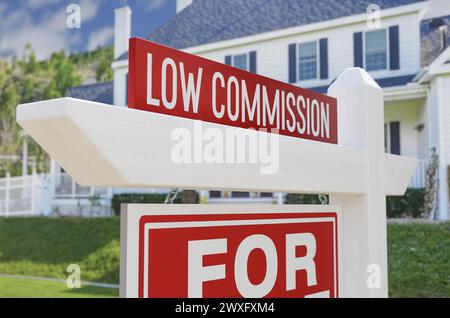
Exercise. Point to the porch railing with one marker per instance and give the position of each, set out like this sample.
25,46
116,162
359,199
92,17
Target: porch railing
66,187
418,179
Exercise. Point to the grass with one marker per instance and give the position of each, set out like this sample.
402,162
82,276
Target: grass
29,288
418,256
419,260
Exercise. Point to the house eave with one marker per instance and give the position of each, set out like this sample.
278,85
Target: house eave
405,92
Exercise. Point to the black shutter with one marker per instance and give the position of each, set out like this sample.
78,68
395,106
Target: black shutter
394,130
252,56
323,58
228,60
292,63
358,49
394,48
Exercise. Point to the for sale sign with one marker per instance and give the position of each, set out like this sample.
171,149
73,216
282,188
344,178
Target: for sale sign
173,82
229,251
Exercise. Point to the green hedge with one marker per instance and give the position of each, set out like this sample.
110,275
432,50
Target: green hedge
41,246
296,198
118,199
409,205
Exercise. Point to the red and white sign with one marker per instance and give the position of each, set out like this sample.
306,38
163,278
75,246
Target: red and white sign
230,251
172,82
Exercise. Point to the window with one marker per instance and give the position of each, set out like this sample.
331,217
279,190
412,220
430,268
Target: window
376,50
307,61
241,61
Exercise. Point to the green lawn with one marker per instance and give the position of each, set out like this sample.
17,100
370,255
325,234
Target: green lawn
30,288
418,256
419,260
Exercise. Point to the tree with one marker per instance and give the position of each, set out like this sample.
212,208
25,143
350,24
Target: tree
27,80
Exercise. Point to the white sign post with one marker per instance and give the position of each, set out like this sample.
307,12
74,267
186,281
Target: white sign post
101,145
361,118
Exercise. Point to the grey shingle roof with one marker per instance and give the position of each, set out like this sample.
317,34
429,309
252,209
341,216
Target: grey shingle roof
100,92
207,21
430,38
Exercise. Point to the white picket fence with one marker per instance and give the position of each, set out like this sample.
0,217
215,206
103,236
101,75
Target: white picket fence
46,194
22,195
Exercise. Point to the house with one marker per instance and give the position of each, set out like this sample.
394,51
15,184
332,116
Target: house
403,45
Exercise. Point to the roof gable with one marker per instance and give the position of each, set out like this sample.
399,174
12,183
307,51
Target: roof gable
430,39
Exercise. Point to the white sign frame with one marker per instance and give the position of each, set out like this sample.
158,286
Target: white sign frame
131,214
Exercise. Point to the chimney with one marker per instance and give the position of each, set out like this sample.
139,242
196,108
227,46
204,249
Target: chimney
122,30
443,30
181,4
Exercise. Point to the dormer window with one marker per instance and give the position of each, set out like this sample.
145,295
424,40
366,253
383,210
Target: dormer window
376,56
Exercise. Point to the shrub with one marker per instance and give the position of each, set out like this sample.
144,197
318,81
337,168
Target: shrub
409,205
118,199
297,198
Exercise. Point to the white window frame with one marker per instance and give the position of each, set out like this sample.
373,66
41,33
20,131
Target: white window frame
388,55
247,59
297,58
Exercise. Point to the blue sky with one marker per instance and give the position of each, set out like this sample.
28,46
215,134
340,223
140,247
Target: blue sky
43,24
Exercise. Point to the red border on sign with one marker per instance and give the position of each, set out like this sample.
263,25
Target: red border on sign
226,217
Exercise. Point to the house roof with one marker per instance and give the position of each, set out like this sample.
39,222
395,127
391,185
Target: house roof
430,38
207,21
99,92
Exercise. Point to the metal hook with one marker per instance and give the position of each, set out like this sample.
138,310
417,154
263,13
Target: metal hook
323,199
171,196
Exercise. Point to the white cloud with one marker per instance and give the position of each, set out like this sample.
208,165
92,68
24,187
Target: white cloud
100,38
36,4
47,34
3,8
155,4
89,9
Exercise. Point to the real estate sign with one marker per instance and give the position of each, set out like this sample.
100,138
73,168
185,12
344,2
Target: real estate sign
236,250
230,251
173,82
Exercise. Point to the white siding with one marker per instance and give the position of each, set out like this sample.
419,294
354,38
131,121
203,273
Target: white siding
272,55
407,113
440,112
444,102
423,146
